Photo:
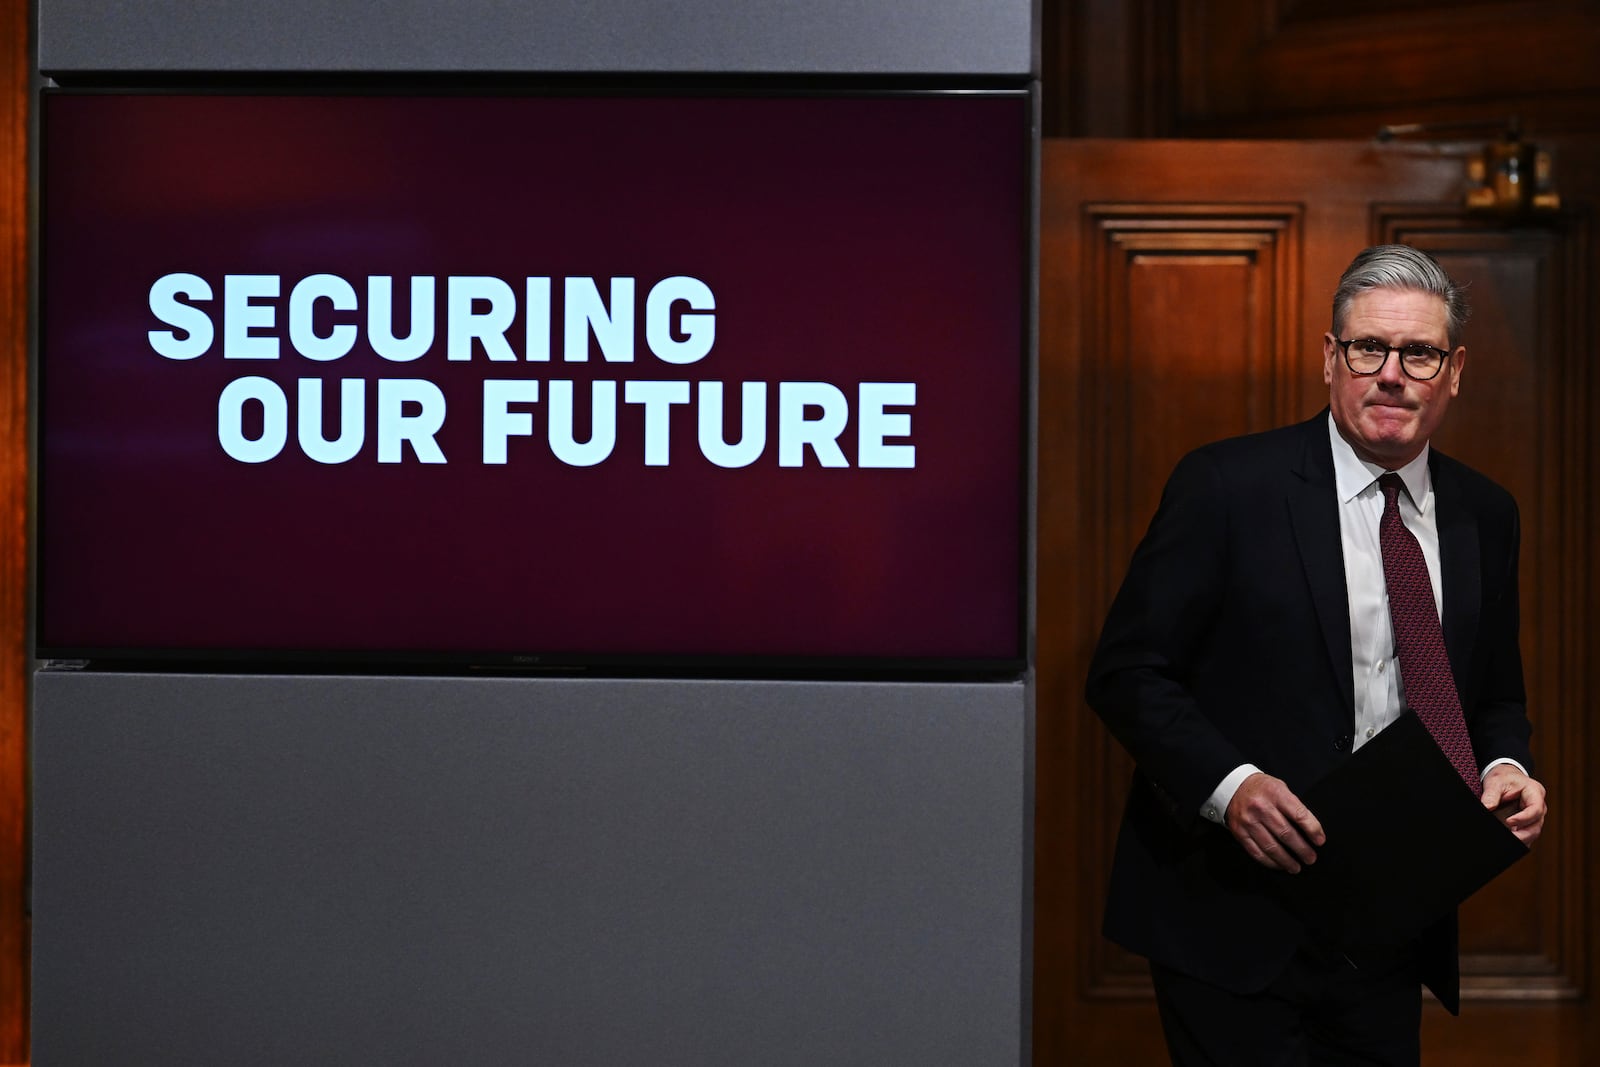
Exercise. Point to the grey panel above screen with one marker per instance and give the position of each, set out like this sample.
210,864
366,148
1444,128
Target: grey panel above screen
261,870
960,37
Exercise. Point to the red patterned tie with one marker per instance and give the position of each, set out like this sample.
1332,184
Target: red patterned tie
1419,643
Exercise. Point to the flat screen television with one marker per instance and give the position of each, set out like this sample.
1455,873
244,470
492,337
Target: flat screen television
683,380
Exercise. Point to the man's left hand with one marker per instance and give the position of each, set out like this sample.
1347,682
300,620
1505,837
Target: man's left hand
1517,799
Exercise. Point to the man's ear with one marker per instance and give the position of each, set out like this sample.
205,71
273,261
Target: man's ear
1458,360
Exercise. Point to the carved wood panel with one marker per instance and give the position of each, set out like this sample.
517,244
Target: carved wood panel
1523,422
1193,340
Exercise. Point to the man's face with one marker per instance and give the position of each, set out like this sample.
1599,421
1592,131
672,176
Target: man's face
1387,417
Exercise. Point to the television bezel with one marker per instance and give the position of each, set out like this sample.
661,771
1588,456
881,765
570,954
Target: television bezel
385,661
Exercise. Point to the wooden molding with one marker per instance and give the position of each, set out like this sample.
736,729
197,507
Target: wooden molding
16,65
1523,419
1190,334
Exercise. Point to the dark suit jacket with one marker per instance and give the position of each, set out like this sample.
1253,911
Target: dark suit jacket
1229,643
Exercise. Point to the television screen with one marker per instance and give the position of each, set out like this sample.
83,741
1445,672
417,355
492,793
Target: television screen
544,379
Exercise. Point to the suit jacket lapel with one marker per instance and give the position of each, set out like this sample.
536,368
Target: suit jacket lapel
1459,570
1314,515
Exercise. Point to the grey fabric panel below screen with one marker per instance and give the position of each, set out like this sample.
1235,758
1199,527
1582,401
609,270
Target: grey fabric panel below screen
268,870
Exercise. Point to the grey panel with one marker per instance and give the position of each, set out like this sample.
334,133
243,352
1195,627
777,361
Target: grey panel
271,870
734,36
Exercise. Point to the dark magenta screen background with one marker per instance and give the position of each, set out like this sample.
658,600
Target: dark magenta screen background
845,238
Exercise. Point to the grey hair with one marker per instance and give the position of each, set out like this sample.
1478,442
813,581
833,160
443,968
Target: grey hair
1400,267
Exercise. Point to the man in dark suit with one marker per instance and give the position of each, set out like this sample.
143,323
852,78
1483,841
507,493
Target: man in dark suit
1250,651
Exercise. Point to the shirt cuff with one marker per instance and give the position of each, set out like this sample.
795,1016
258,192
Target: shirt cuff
1492,765
1216,807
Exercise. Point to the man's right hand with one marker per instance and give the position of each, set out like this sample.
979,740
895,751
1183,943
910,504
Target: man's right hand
1272,825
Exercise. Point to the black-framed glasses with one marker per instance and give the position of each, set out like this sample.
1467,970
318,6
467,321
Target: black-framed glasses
1366,356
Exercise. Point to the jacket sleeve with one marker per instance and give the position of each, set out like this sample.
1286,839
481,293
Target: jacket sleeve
1497,717
1161,624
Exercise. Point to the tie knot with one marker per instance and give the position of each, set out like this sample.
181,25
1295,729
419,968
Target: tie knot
1391,485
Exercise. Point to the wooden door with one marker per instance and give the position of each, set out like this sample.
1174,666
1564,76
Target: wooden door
15,88
1185,287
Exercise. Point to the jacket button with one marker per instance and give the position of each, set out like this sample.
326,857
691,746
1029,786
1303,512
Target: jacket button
1342,743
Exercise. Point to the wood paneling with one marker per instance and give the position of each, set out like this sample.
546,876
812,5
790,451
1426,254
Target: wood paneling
1317,68
1108,67
1251,69
1157,378
15,64
1100,75
1184,290
1530,289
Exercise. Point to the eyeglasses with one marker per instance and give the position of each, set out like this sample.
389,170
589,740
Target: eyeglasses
1366,356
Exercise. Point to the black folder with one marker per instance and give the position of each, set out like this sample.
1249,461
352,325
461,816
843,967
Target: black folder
1407,841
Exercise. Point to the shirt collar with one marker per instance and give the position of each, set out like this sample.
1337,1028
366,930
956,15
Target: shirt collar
1353,475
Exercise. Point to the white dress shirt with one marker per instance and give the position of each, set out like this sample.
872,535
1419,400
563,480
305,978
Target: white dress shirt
1379,695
